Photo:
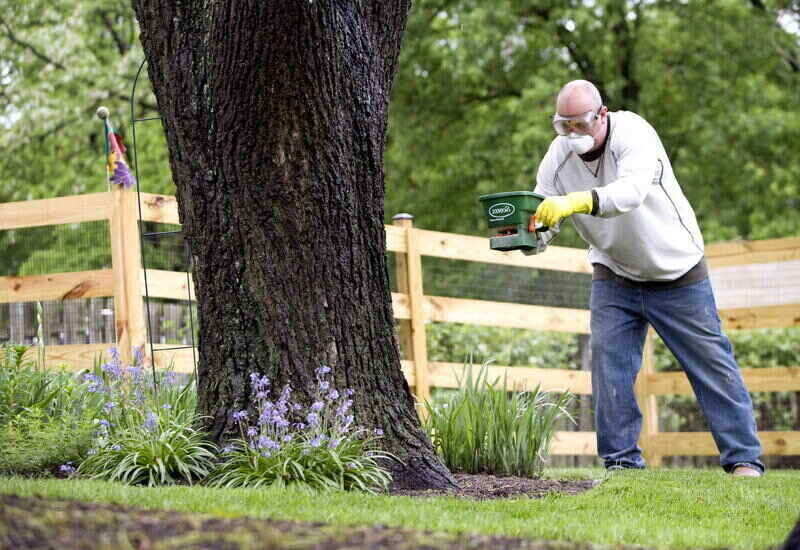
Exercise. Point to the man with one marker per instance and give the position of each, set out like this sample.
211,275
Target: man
610,173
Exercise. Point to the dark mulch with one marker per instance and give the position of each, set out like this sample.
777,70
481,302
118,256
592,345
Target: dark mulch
41,524
486,486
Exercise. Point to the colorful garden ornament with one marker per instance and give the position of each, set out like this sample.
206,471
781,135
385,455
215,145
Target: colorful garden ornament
117,168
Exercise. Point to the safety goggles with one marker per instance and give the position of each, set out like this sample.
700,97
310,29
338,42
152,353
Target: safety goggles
582,124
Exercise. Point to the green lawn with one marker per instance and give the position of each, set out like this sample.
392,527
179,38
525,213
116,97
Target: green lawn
665,509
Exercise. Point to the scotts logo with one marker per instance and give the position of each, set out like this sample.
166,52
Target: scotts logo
502,210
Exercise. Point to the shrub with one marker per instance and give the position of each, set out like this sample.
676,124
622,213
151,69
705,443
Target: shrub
323,451
145,434
486,428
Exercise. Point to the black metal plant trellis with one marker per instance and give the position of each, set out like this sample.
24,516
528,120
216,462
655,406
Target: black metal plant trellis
143,236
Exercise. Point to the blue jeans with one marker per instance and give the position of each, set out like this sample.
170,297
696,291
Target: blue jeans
686,319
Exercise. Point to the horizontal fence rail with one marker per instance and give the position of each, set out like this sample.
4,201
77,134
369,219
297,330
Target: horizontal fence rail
412,308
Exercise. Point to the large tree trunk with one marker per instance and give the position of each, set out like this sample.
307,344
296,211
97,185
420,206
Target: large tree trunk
275,115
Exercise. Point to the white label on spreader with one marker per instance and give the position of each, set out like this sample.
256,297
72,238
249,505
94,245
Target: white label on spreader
501,211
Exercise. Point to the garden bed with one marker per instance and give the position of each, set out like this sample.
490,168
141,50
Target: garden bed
486,486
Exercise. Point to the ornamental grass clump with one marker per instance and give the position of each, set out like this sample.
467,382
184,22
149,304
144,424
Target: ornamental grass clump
146,431
316,447
486,428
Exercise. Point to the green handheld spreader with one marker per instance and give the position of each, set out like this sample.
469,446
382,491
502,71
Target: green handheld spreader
508,215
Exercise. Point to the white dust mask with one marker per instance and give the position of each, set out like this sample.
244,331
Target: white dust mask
580,143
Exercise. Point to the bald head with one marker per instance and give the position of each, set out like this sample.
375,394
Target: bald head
578,97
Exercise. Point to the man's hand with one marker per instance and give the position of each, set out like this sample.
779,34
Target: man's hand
554,209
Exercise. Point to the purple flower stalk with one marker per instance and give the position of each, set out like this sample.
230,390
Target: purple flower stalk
150,421
240,415
323,370
67,469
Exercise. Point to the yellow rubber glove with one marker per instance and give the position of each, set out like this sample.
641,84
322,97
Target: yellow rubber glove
554,209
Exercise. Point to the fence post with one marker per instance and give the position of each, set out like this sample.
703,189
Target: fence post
412,333
648,403
126,261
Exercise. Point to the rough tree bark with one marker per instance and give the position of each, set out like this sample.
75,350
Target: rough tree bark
275,115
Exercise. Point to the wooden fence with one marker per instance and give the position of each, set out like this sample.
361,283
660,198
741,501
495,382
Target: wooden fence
412,307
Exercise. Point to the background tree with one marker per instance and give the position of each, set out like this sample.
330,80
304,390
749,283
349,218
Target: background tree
477,80
275,115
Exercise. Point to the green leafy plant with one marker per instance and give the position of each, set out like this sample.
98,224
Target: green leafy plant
23,386
484,427
36,444
323,452
146,433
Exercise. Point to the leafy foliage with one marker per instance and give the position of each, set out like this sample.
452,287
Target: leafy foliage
485,427
146,434
45,417
324,451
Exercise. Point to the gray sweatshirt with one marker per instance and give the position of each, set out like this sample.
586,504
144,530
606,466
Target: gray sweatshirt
644,227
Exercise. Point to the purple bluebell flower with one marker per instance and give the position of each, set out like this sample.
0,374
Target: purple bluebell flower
266,454
349,391
150,421
170,378
324,385
317,406
333,395
265,442
108,406
334,442
297,407
252,432
317,441
352,465
240,415
105,423
281,422
112,369
323,370
138,355
342,409
67,469
287,438
300,425
166,406
258,382
378,432
116,448
262,395
313,419
95,383
227,449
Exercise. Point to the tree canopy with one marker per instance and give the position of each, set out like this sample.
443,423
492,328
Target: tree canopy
470,109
